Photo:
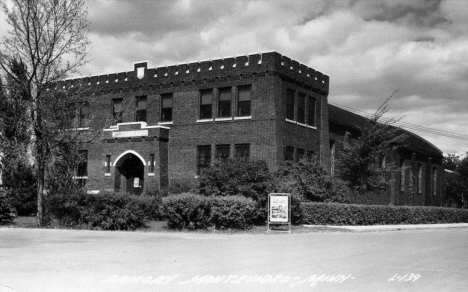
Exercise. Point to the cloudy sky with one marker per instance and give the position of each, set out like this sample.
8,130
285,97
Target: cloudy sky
368,48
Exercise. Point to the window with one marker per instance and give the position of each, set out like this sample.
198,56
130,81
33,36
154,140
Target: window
382,161
166,107
82,166
244,100
224,102
419,184
222,152
434,181
242,151
84,115
332,157
310,155
290,96
300,154
203,158
402,175
151,163
311,112
289,153
206,104
108,163
117,110
301,99
140,115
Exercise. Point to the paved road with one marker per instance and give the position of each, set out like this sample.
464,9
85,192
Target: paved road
65,260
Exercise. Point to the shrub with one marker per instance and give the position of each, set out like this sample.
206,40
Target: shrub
108,211
232,212
309,181
347,214
187,210
193,211
20,184
7,211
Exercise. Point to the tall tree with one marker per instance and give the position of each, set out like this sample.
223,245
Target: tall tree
361,161
49,37
456,179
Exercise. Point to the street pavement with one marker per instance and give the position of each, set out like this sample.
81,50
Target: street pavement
80,260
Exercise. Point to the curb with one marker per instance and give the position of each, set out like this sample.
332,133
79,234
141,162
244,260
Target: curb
372,228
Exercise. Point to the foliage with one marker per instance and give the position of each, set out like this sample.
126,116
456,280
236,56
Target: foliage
108,211
7,211
187,210
360,161
348,214
20,184
456,180
309,181
193,211
48,41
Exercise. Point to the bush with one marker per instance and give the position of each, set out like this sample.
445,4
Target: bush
309,181
7,211
347,214
232,212
20,184
187,210
108,211
194,211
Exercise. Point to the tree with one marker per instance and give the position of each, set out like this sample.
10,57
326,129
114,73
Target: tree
360,161
48,37
456,179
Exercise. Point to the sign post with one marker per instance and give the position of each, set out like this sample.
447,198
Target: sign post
279,210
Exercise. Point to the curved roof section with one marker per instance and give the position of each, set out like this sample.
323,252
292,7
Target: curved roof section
412,141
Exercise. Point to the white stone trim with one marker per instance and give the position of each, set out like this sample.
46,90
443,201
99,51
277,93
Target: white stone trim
204,120
143,125
166,123
107,174
243,118
151,174
223,119
129,152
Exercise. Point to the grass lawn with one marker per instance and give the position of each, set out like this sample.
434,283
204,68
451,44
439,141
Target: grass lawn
161,226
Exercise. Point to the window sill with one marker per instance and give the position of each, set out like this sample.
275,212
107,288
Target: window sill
151,174
243,118
166,123
80,177
81,129
300,124
311,127
107,174
223,119
204,120
291,121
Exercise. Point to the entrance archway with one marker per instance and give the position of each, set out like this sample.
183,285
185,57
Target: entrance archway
129,173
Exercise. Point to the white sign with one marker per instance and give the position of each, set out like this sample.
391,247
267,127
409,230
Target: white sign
136,182
279,208
124,134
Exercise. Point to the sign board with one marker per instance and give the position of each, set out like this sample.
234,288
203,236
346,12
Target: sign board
124,134
279,210
136,182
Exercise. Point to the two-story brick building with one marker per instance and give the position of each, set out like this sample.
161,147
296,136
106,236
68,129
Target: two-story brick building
169,123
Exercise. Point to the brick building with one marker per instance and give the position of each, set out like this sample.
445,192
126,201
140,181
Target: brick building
164,125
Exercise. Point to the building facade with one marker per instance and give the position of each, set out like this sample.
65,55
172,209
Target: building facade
162,126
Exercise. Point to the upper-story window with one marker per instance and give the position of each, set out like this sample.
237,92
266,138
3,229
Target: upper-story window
301,99
140,114
290,97
206,104
244,100
224,102
84,115
117,110
166,107
311,112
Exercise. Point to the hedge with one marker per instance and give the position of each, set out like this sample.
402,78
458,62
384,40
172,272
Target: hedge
7,211
347,214
194,211
109,211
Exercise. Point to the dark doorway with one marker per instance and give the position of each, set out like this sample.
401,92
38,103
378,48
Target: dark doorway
129,174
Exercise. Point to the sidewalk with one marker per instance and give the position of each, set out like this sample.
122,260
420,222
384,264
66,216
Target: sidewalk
370,228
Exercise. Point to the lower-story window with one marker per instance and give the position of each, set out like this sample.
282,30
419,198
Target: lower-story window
300,154
242,151
222,151
203,158
289,153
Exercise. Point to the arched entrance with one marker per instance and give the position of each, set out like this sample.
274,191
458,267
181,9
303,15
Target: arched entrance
129,173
